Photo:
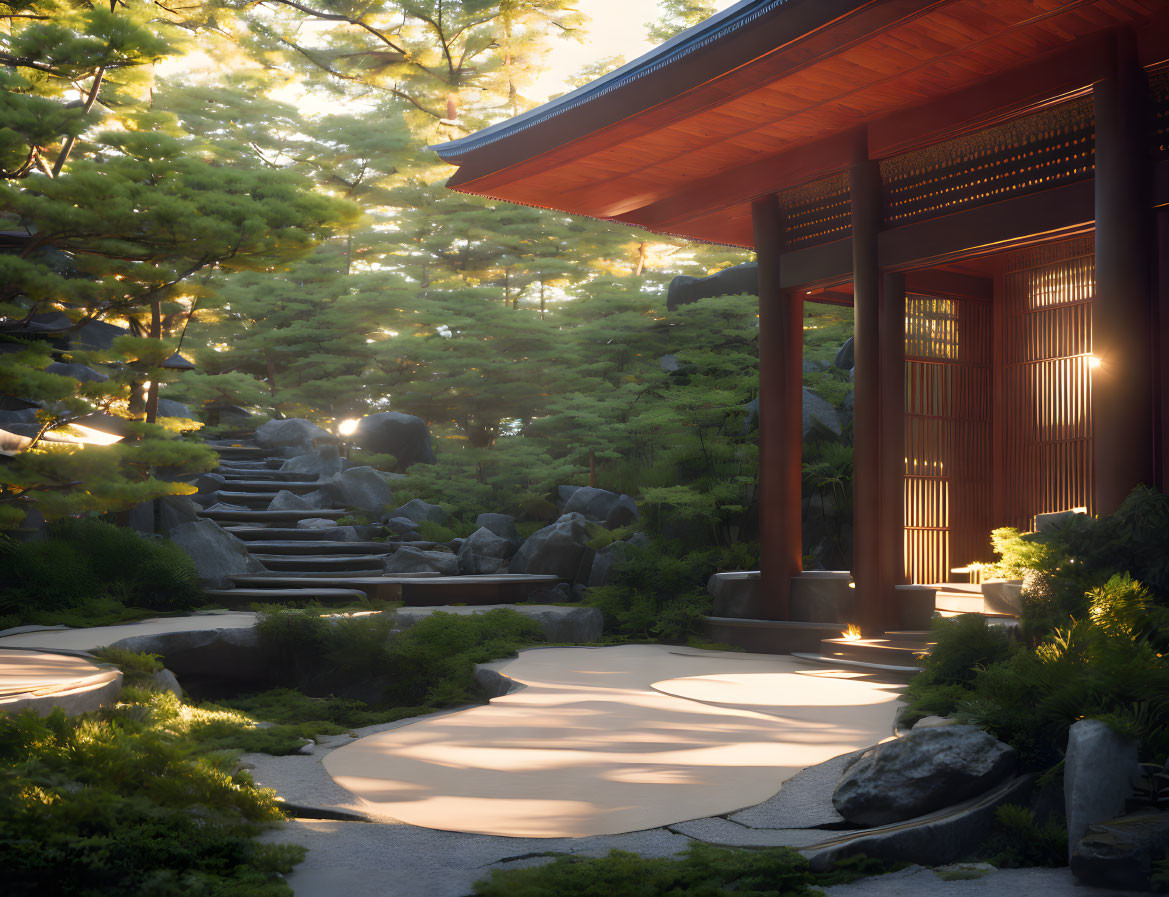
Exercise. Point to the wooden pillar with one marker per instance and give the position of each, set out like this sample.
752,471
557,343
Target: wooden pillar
891,558
1122,394
1162,354
781,345
865,193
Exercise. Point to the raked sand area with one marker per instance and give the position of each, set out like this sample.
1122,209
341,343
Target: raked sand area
607,740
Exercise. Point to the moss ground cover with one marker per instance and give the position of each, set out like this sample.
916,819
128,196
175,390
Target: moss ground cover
703,871
129,801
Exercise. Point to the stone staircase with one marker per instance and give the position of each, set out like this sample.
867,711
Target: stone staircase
896,652
319,564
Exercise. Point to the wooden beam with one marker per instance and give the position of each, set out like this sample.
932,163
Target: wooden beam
781,339
990,228
828,263
933,282
1122,396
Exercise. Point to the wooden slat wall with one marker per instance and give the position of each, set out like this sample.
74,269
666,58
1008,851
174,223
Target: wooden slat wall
947,434
1047,379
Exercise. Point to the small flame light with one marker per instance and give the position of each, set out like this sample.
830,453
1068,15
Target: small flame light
348,426
852,633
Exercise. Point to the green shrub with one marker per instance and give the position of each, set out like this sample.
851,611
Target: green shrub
1019,840
85,561
703,871
429,531
117,803
428,666
658,592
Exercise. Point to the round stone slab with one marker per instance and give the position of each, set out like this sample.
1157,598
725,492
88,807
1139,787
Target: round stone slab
40,681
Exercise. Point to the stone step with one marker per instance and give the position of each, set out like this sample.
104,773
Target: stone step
318,547
274,484
417,589
245,597
260,465
323,563
241,452
251,499
892,653
498,588
378,588
960,602
255,516
269,533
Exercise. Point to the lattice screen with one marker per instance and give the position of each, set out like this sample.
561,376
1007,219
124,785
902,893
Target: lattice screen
1047,379
947,434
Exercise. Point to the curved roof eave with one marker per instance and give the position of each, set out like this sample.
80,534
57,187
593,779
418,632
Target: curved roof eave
714,29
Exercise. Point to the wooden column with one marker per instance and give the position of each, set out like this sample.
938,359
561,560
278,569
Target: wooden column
1122,395
865,192
1162,354
891,558
781,346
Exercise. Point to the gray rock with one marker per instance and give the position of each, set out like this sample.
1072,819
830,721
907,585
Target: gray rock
217,554
926,770
557,549
418,510
227,506
846,357
229,416
165,680
602,506
208,483
325,462
175,510
222,654
484,552
404,436
329,531
359,487
500,524
1097,776
557,594
413,560
812,366
1045,523
401,526
818,411
603,562
290,501
932,722
564,493
171,408
78,372
494,684
639,540
1003,596
316,523
736,593
737,280
292,432
751,421
1120,853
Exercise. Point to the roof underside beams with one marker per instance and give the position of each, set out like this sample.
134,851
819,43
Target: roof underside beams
871,81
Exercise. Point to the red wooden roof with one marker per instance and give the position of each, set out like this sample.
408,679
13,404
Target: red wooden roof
772,93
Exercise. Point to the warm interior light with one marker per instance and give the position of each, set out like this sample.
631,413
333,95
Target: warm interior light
1094,362
852,633
348,426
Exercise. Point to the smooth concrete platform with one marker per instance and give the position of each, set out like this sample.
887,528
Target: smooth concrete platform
32,679
610,740
98,636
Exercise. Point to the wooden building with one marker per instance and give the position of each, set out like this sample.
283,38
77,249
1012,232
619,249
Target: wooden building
987,181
